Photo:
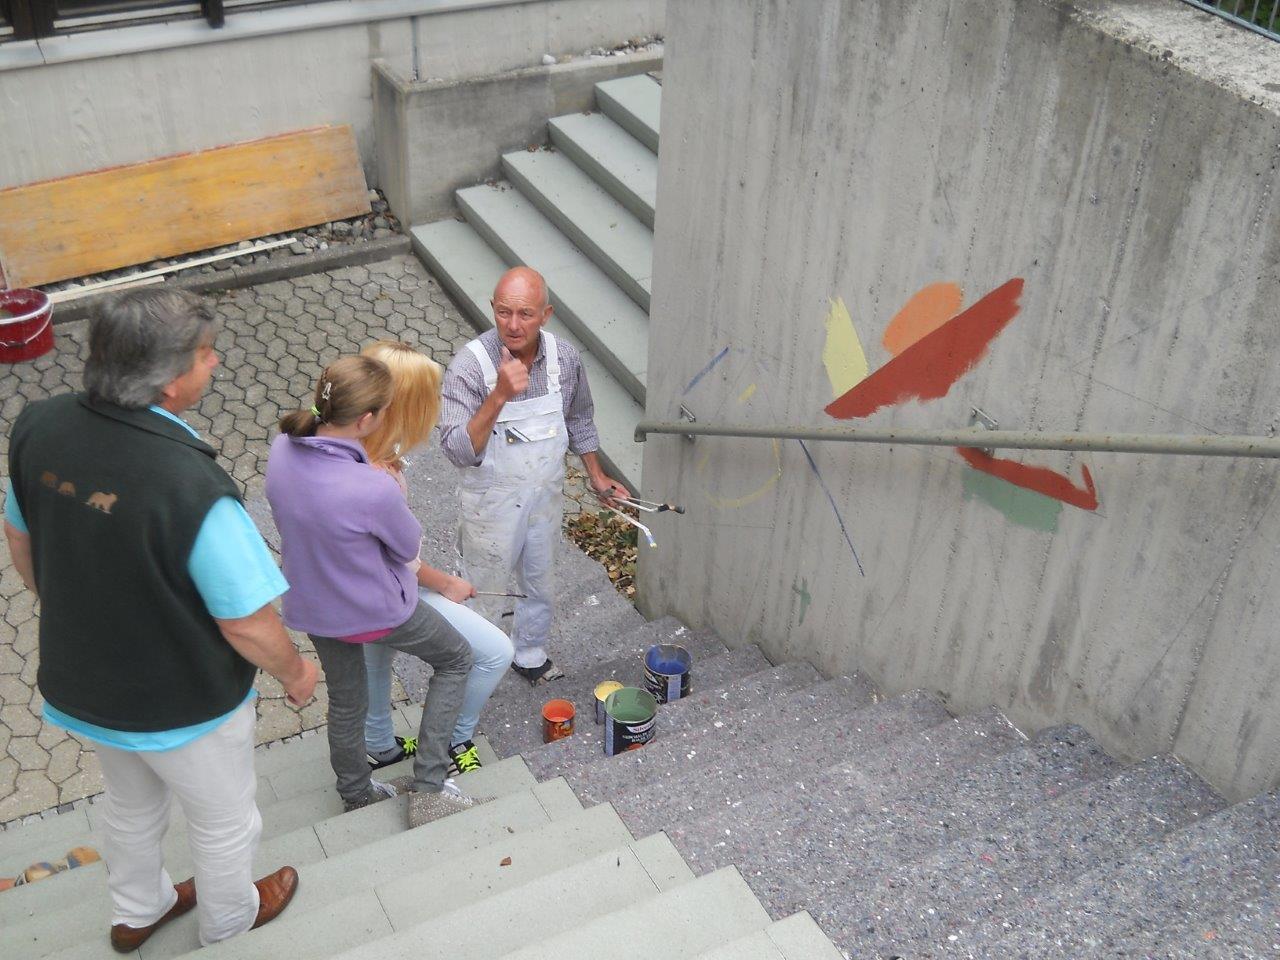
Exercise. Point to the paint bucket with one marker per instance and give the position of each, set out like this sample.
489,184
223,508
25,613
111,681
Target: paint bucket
557,720
631,715
668,672
603,689
26,325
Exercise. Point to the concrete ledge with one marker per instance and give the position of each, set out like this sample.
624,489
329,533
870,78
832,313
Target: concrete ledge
280,269
240,25
435,137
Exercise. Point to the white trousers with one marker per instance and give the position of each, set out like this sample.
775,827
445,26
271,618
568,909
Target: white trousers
213,779
514,532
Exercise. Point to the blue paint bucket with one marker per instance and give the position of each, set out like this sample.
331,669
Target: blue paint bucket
630,720
668,672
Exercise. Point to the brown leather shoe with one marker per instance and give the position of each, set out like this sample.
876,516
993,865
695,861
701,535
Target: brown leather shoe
126,939
274,893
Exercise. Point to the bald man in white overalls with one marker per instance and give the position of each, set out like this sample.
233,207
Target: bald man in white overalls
515,401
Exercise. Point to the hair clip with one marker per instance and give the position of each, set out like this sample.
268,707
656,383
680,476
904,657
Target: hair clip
315,411
328,388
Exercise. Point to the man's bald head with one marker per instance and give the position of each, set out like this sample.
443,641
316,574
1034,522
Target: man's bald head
520,309
522,280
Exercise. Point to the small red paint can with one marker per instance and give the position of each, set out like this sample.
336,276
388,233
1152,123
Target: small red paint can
557,720
26,325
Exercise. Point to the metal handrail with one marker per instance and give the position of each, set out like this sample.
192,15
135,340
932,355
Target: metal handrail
1255,12
1163,443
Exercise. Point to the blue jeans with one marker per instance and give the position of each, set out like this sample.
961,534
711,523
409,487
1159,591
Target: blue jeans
492,650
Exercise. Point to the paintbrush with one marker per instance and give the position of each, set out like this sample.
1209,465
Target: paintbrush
495,593
648,506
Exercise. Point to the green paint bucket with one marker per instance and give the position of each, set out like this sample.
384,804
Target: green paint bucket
630,719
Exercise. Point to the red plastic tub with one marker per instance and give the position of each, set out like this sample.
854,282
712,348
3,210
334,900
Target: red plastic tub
26,325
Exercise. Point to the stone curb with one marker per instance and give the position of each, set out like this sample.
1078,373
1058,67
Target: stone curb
284,268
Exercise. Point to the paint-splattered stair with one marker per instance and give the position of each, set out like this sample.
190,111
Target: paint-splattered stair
777,815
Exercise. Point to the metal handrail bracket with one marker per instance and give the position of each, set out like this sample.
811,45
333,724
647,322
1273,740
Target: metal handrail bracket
1215,445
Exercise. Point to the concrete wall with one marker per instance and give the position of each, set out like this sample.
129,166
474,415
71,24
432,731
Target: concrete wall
1121,157
74,115
420,169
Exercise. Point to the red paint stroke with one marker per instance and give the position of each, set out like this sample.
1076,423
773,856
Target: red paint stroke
928,368
1040,479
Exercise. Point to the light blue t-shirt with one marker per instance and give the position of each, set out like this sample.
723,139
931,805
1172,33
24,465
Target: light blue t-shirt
235,575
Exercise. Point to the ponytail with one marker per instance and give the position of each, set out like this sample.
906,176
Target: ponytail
347,389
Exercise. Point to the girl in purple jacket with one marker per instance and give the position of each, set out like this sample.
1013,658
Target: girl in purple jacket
347,536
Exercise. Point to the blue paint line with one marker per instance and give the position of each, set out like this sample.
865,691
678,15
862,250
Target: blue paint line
839,519
707,369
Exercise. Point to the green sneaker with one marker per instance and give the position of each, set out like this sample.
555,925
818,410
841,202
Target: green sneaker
406,747
463,758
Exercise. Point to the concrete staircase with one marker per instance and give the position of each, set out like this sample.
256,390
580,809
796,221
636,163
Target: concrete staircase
776,812
580,211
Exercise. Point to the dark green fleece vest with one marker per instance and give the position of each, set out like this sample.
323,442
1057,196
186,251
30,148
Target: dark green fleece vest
113,500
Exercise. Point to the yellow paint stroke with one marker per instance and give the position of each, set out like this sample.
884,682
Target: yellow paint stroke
747,394
732,503
842,355
703,461
928,309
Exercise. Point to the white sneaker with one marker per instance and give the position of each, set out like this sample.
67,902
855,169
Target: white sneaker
427,807
378,791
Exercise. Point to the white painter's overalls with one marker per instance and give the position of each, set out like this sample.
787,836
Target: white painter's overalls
512,507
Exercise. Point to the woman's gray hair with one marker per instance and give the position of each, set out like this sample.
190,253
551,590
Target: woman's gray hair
142,340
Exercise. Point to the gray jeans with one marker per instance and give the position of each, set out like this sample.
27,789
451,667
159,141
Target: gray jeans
425,635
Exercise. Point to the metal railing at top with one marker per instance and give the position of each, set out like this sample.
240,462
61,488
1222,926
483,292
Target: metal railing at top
1215,445
1261,16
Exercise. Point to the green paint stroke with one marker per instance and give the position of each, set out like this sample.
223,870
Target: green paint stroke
1026,508
802,592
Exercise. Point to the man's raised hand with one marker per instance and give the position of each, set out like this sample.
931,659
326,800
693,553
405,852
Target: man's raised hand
513,377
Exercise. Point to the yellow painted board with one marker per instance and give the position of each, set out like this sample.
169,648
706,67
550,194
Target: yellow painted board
112,218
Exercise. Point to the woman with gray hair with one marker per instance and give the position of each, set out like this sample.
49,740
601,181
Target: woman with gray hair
156,593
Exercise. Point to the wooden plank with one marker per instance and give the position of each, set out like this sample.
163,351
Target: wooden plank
84,224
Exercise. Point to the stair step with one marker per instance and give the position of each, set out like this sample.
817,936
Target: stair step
743,678
829,836
721,733
512,719
1183,880
900,767
797,937
786,761
287,833
311,751
545,906
83,891
635,104
614,329
611,236
612,158
466,266
42,839
57,921
684,922
912,910
1248,928
343,833
586,746
459,868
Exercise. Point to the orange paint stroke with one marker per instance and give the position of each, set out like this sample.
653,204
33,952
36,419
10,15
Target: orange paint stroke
1040,479
930,367
928,309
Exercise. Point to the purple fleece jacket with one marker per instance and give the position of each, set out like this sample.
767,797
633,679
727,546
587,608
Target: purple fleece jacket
346,533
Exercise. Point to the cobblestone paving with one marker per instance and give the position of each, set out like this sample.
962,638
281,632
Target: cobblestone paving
276,339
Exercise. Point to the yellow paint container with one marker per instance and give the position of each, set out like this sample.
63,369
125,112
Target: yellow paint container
602,692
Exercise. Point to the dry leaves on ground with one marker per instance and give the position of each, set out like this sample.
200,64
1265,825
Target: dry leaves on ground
610,540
